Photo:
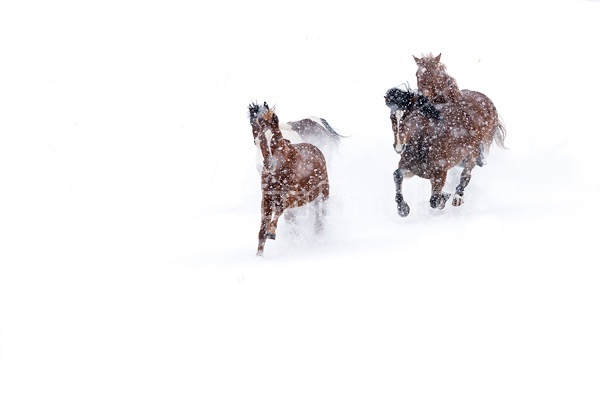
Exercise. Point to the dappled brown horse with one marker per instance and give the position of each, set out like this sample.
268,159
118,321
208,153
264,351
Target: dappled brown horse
436,84
433,138
293,175
433,81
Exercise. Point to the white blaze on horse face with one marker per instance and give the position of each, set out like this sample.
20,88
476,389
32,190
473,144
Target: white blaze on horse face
268,135
259,154
398,142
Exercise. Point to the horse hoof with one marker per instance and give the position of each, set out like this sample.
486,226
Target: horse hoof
403,210
439,201
259,253
270,236
457,200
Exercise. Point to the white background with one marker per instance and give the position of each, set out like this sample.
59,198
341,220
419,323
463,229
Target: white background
129,205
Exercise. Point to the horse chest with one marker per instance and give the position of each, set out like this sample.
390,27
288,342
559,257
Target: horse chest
416,161
282,182
427,157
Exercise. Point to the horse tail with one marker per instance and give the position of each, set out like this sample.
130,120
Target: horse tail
330,131
500,135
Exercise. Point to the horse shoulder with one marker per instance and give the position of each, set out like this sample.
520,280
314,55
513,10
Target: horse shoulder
286,148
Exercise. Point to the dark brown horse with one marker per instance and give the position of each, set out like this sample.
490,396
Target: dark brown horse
313,130
433,138
293,175
436,84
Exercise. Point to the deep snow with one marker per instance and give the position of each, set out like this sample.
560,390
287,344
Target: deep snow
129,205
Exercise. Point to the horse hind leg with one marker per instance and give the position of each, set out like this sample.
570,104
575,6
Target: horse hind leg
465,178
321,214
321,208
481,156
484,149
291,219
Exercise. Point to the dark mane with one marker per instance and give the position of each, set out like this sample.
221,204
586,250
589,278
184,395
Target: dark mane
427,107
398,99
408,100
253,111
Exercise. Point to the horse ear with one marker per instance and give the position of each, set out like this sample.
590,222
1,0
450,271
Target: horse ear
438,57
266,105
416,59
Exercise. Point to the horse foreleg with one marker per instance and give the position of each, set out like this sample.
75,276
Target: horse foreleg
266,213
272,227
403,208
465,178
438,197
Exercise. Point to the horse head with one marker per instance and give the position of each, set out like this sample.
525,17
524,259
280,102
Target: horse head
403,104
434,82
429,74
260,127
398,99
280,149
270,119
255,113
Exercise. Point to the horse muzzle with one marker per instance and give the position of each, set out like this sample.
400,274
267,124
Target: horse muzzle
400,148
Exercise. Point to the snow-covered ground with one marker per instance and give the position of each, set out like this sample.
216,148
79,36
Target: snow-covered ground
129,205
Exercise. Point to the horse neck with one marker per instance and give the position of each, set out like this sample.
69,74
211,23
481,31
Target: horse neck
279,146
276,135
263,145
445,87
413,125
427,108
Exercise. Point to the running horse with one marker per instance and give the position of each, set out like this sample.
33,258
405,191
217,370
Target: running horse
315,130
433,138
436,84
293,175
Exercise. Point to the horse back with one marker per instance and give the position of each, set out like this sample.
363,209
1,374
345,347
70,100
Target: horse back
481,106
479,101
484,112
